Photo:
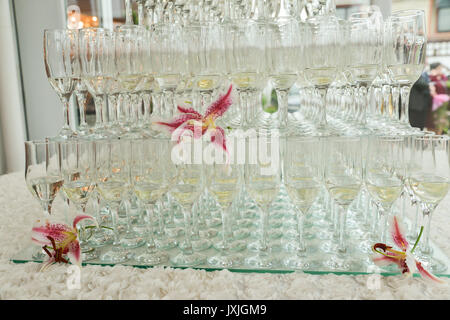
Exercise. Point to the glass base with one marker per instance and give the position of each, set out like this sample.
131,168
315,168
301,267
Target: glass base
208,233
197,244
260,261
188,259
213,222
115,255
299,263
166,243
152,258
233,246
89,255
224,261
101,237
342,263
174,232
132,240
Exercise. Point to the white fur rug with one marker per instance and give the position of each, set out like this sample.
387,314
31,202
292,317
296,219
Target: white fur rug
18,210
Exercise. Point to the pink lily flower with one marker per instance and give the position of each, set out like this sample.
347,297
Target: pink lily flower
198,124
404,259
62,238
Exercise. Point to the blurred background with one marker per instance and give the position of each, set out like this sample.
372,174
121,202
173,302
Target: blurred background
30,109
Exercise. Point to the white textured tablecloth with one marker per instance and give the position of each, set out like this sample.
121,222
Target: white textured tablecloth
18,210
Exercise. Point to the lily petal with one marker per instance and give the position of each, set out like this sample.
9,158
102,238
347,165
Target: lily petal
74,252
218,138
219,107
40,233
426,274
398,234
190,111
177,122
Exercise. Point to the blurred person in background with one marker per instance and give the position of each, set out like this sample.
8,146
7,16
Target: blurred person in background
420,102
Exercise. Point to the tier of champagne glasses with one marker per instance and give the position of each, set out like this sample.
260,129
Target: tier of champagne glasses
315,176
323,181
352,77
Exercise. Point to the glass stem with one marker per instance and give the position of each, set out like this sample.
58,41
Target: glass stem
187,231
128,12
128,215
114,218
146,98
66,105
404,111
112,106
243,108
264,223
225,243
413,231
206,97
99,100
342,213
382,226
156,104
135,106
300,228
335,217
150,244
425,247
169,103
364,103
81,98
323,108
396,102
282,95
141,15
161,224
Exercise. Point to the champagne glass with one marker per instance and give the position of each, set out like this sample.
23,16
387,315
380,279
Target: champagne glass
263,180
78,169
81,92
43,172
186,191
282,57
43,175
428,175
98,71
365,56
405,53
323,60
62,65
112,178
343,177
246,63
224,178
206,59
149,184
169,62
303,184
384,175
130,44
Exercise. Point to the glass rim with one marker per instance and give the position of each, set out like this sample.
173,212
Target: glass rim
61,30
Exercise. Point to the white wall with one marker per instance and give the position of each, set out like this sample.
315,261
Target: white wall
12,125
44,111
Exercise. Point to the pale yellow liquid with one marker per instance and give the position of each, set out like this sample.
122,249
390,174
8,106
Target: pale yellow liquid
45,188
431,189
78,191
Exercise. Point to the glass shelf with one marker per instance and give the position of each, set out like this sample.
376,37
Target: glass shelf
25,256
